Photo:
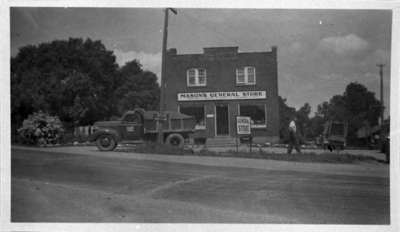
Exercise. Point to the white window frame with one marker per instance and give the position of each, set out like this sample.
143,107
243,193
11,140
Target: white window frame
246,75
260,126
196,76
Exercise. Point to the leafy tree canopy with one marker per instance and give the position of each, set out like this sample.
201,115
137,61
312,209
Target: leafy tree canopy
357,106
286,113
78,80
139,90
64,77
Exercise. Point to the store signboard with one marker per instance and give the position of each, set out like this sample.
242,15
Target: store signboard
243,125
210,96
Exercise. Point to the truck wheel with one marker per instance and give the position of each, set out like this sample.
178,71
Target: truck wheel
175,140
106,143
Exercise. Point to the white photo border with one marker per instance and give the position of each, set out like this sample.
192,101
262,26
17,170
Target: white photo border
6,225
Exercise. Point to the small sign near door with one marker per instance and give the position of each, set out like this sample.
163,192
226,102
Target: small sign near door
243,125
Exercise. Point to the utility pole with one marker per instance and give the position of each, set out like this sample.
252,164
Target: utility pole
381,92
163,70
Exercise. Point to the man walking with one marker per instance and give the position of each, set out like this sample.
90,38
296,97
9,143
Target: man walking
293,140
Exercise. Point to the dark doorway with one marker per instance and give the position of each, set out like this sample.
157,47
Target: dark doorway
222,119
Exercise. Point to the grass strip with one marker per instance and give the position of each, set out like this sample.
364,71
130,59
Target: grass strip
310,157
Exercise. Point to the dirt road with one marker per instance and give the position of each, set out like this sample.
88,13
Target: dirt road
61,187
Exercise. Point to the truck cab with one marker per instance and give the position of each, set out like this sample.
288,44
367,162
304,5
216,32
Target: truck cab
132,126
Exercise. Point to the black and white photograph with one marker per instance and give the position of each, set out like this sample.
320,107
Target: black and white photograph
206,116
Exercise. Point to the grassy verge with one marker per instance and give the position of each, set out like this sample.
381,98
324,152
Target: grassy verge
311,157
155,148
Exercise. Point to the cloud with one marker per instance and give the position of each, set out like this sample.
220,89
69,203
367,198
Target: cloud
380,56
29,17
149,61
296,47
332,77
344,45
370,76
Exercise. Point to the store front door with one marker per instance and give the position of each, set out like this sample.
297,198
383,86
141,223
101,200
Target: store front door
222,120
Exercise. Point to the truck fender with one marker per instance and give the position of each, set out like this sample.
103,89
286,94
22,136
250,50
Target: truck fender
93,137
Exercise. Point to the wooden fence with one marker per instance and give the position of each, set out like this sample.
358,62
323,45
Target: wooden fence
83,132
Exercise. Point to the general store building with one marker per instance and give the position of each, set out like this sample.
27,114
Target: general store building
222,83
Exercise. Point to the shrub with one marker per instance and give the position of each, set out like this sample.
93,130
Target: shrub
40,129
68,138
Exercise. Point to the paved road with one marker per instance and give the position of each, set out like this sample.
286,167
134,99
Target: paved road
61,187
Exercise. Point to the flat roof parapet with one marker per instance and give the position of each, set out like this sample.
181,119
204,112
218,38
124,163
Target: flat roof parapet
218,51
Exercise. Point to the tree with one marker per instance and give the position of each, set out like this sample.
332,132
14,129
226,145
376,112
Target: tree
357,106
131,68
303,120
285,114
323,110
361,107
74,79
316,126
139,88
360,101
337,108
79,81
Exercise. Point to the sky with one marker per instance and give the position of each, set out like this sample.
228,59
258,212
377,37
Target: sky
320,51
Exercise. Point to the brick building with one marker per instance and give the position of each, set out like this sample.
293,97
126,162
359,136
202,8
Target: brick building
222,83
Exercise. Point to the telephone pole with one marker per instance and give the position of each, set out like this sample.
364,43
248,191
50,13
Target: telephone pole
163,70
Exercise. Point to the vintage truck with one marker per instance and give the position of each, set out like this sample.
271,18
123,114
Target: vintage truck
138,126
334,135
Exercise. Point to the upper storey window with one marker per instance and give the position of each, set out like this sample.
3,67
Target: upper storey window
196,77
246,76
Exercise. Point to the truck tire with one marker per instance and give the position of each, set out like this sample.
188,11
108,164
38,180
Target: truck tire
175,140
106,142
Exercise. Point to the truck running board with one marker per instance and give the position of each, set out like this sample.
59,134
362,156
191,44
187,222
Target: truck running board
140,141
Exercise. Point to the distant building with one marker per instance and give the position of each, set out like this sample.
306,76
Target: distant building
219,85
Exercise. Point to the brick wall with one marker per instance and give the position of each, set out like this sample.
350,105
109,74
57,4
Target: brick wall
220,64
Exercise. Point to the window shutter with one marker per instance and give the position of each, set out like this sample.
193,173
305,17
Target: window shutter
202,77
240,76
251,75
191,77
